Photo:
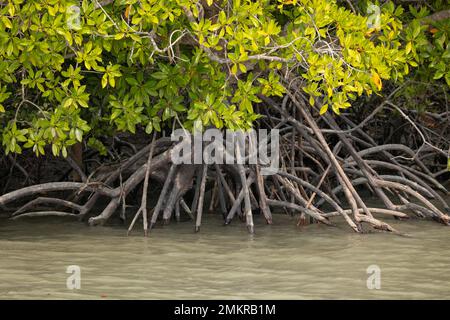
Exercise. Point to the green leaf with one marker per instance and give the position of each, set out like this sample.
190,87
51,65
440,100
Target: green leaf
55,150
438,75
149,127
132,81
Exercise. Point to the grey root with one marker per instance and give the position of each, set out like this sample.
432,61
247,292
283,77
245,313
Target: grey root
322,163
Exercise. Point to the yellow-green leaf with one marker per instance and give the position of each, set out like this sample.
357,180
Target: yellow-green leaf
68,102
323,109
234,69
7,22
408,47
112,82
119,36
11,9
377,81
104,80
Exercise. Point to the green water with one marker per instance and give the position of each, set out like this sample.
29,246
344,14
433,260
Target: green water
278,262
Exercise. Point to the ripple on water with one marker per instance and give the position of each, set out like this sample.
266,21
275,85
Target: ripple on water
279,261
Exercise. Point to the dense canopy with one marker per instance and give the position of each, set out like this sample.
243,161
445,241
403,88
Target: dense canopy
332,75
71,69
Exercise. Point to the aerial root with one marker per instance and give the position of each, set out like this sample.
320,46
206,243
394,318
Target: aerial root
321,167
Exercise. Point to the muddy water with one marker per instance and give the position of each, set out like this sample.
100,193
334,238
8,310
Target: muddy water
278,262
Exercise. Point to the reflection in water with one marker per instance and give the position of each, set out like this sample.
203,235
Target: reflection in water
278,262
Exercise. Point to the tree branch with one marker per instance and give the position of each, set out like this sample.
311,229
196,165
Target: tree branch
438,16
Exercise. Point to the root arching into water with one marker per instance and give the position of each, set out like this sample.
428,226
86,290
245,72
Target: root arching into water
325,162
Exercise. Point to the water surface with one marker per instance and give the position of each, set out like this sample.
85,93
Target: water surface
278,262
